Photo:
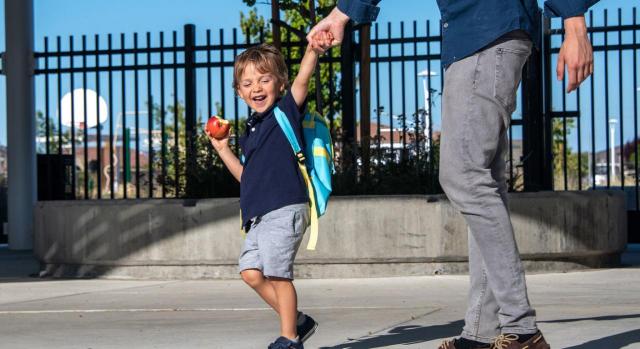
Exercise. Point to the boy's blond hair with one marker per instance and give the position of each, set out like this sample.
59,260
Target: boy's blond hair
266,59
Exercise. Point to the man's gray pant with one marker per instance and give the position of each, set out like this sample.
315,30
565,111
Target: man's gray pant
479,97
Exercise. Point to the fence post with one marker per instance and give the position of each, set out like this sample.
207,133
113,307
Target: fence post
534,123
547,132
347,83
318,81
190,108
275,23
365,97
348,99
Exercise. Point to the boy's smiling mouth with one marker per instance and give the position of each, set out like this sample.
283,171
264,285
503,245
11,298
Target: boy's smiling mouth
259,101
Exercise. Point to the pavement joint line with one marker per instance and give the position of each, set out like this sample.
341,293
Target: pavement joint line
88,292
159,310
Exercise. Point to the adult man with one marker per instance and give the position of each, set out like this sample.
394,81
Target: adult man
484,46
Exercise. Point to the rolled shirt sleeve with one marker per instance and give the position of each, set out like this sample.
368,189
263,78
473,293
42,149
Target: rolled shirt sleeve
567,8
360,11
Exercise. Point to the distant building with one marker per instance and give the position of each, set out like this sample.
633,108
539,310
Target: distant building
388,137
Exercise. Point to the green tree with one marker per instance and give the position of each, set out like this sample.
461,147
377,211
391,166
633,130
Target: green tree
633,151
296,15
41,134
212,179
386,175
562,153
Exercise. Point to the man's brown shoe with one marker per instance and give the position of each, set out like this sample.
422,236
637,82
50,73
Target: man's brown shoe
451,344
510,341
448,344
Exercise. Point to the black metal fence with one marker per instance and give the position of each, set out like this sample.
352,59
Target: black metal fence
158,93
159,89
594,131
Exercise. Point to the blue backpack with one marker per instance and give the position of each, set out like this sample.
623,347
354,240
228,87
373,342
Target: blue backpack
315,162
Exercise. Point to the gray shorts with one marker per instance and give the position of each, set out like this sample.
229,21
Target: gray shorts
273,240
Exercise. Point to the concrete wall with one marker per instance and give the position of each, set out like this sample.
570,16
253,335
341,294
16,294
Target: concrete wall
359,236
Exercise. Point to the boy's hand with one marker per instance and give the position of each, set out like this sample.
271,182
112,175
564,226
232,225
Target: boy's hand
321,42
333,23
218,144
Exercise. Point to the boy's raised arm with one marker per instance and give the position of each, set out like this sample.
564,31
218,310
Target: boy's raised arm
226,155
300,85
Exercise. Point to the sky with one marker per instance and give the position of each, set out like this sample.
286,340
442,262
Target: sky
77,17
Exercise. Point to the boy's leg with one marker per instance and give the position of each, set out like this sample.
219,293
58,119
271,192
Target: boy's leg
472,133
280,235
251,265
287,300
265,289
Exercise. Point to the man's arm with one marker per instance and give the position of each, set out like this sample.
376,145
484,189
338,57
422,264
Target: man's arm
576,52
360,11
567,8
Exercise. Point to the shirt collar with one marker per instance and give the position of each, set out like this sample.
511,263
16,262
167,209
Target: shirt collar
256,117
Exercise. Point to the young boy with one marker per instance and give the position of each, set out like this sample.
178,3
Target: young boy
273,195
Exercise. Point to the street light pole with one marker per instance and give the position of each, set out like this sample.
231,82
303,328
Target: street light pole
21,153
427,106
612,131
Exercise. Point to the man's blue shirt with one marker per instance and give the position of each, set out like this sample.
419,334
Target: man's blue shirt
469,25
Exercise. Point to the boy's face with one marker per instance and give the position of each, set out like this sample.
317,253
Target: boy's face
258,90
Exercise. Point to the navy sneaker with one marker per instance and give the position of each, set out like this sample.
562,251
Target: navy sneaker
285,343
307,328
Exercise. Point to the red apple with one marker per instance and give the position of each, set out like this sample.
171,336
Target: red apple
217,127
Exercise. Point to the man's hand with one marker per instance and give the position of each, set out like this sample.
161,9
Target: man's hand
334,23
576,53
321,42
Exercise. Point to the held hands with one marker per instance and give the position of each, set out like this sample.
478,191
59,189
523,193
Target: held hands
321,42
334,24
576,53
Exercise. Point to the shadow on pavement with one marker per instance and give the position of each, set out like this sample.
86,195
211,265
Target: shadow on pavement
17,264
631,257
404,335
615,341
597,318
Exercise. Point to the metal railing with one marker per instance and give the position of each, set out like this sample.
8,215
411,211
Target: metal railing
160,91
150,144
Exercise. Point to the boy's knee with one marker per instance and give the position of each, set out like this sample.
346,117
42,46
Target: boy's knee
279,282
253,278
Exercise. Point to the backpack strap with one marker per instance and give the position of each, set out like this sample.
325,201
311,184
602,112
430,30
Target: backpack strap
285,125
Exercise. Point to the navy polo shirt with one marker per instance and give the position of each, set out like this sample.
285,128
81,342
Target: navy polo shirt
271,178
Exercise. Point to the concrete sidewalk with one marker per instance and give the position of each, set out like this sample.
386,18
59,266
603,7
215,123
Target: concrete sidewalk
588,310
